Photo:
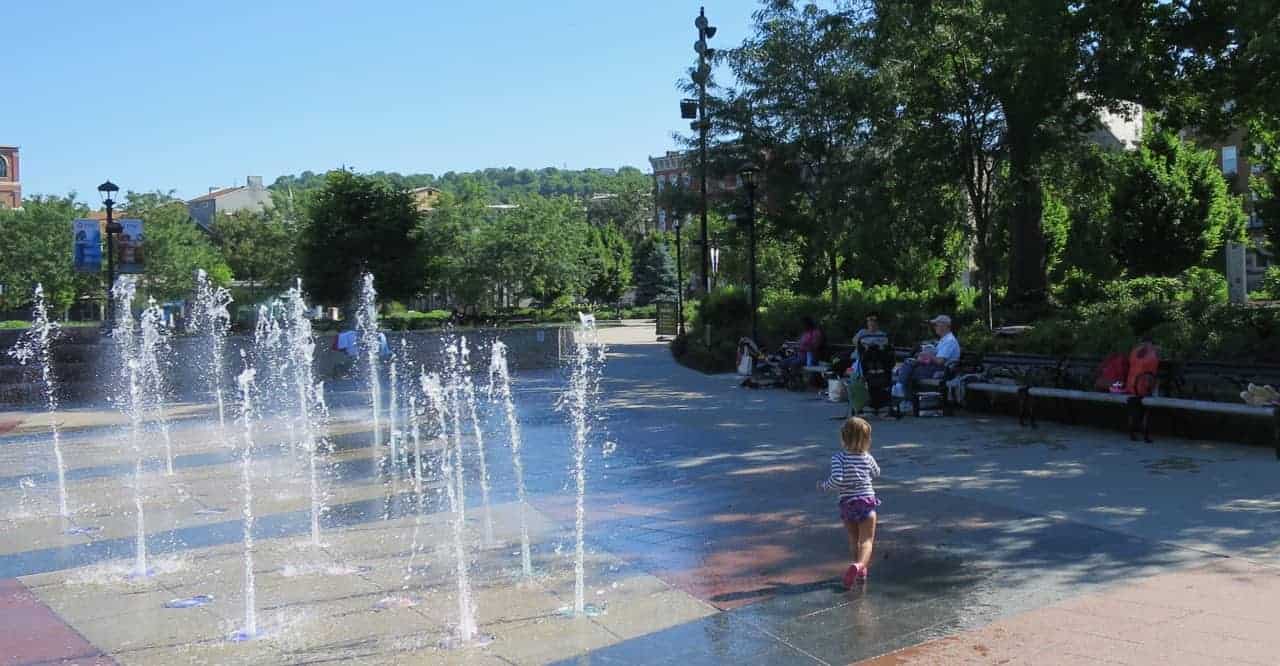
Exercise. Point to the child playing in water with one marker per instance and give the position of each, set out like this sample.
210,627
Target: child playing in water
851,472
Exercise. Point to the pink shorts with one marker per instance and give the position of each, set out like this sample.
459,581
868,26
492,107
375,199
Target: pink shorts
858,509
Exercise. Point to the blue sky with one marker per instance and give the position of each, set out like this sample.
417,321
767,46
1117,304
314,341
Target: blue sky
187,95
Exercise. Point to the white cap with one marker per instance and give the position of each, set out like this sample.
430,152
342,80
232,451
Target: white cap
941,319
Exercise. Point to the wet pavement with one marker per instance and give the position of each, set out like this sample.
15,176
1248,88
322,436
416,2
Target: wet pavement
707,542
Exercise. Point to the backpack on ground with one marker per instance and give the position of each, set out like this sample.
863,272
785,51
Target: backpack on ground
1113,370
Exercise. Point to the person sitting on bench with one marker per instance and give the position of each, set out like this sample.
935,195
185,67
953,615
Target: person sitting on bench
806,352
929,365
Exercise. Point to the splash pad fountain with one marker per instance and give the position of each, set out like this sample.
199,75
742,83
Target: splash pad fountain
436,432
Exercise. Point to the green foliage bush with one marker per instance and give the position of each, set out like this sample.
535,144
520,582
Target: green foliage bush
1187,316
1271,283
903,314
412,320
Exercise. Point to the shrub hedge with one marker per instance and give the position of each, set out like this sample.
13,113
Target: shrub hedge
1187,316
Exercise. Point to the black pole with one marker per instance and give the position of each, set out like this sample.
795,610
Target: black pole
702,150
111,264
751,230
680,279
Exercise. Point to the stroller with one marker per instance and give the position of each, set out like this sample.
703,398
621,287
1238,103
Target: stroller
875,362
754,364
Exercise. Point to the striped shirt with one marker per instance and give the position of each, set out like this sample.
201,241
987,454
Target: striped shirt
851,475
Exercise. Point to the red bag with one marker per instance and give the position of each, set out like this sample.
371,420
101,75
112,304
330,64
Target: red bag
1113,370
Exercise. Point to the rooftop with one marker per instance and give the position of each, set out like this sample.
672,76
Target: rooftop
215,194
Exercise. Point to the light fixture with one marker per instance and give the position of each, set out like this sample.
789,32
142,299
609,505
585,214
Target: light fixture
107,190
688,108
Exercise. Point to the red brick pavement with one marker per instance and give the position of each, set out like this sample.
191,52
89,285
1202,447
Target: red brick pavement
1227,612
31,633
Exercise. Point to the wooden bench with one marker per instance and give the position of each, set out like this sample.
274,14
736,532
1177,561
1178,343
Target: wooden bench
1131,402
1269,412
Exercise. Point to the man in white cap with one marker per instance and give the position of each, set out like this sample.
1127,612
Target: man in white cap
948,346
930,365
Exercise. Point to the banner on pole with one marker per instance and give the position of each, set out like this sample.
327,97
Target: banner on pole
86,246
129,244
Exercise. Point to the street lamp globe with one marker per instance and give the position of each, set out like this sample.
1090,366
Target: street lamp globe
107,190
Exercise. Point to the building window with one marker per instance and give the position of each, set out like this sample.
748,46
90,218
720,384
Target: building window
4,167
1229,166
662,220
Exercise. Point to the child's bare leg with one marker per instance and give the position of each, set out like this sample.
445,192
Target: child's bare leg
866,539
851,530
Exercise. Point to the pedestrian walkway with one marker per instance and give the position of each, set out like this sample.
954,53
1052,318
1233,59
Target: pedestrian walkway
707,543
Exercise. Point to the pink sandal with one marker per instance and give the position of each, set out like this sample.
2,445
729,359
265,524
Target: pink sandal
854,572
862,575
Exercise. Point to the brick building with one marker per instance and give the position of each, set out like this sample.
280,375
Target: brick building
1233,159
674,169
10,182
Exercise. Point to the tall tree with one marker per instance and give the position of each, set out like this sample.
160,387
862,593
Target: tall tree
655,271
542,245
931,60
802,107
455,236
610,265
1037,71
37,249
1171,207
174,247
358,223
258,246
628,208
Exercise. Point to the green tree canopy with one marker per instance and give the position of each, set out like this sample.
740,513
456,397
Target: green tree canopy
358,223
655,271
541,246
609,262
258,246
1171,208
38,250
174,247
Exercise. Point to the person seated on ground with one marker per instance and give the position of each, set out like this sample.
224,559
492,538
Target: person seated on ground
806,352
932,362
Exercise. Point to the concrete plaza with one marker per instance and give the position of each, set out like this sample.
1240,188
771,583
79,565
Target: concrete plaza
707,542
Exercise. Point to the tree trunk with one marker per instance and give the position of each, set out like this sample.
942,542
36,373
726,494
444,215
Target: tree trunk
835,281
1028,280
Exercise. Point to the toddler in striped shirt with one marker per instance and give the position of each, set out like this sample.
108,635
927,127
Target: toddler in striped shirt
851,472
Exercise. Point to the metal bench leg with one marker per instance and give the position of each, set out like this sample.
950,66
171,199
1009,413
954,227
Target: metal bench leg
1146,425
1024,405
1275,429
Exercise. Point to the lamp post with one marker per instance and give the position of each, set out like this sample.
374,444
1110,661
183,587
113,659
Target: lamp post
748,174
700,76
680,281
106,191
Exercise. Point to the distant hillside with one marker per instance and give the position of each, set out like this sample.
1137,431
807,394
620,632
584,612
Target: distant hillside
500,185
